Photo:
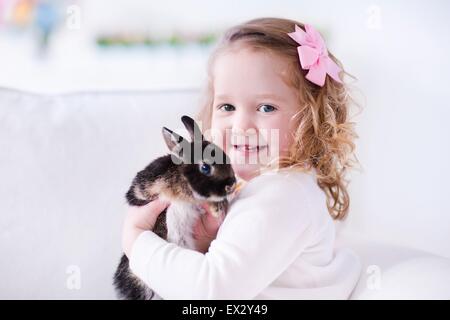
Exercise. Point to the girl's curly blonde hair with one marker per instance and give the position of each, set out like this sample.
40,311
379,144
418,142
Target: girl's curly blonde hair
324,137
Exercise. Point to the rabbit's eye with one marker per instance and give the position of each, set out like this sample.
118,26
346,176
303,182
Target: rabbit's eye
205,169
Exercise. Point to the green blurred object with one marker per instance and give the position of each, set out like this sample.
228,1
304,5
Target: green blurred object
136,40
175,40
208,39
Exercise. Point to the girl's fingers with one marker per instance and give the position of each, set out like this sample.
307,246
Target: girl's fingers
156,206
201,231
210,224
212,221
153,207
145,216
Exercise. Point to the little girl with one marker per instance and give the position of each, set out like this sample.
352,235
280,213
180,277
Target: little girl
278,238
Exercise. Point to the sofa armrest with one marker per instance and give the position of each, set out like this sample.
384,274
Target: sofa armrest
393,272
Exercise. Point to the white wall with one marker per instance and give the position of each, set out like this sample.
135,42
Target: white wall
403,72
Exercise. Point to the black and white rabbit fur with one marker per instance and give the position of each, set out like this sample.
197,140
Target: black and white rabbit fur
186,179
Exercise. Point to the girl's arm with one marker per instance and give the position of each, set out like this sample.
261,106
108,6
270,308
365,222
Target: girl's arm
266,229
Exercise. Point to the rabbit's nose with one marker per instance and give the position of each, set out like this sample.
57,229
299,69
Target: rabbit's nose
230,189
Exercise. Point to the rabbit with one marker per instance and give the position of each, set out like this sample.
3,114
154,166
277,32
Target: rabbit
194,173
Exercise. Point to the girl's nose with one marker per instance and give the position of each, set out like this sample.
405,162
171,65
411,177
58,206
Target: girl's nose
243,122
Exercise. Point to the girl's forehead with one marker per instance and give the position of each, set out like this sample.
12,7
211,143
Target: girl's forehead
250,70
248,59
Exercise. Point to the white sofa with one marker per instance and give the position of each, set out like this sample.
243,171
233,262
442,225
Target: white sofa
66,162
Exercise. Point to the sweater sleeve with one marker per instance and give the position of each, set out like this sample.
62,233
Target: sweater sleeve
266,229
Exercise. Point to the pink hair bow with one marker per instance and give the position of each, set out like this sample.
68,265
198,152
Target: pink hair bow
313,55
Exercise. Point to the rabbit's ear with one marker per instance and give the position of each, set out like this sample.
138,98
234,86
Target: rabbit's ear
174,142
193,128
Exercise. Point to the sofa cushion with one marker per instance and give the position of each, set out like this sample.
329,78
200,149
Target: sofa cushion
66,162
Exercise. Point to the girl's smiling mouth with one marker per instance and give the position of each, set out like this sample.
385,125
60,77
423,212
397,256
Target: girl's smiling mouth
246,148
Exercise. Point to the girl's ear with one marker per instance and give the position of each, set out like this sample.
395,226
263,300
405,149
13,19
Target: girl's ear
174,142
193,128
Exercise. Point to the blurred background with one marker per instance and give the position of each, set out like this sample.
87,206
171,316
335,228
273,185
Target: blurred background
397,50
54,46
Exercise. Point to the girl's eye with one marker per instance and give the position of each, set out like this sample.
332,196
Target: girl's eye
267,108
205,169
227,107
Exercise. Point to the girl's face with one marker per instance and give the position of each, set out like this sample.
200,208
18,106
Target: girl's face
252,109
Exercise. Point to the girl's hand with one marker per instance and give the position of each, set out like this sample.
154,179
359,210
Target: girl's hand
205,230
138,220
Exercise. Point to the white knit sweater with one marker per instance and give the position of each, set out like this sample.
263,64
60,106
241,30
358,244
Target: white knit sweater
277,242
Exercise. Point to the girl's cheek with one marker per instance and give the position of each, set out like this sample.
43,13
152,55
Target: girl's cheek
285,140
219,133
218,137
